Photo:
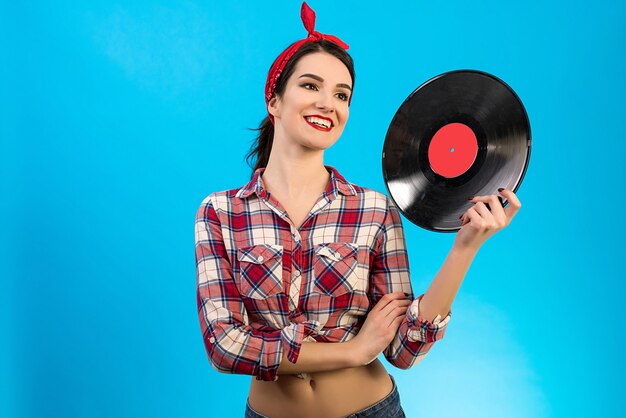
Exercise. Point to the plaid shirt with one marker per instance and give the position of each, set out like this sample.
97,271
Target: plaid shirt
264,287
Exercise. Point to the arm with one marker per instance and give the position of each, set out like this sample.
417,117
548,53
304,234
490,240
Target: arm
479,223
390,273
321,357
441,293
232,345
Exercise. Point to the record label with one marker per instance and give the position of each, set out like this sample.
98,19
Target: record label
452,150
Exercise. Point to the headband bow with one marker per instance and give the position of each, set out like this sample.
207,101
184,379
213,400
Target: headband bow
308,18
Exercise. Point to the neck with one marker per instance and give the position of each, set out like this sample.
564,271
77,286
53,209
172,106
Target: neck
294,171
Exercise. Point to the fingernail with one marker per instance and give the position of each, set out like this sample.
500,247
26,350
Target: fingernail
471,197
500,189
461,217
406,294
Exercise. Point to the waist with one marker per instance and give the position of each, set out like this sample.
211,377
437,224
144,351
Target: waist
347,389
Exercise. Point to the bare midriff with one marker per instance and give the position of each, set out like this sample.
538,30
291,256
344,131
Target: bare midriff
334,393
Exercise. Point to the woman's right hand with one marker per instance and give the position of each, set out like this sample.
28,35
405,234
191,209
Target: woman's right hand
380,326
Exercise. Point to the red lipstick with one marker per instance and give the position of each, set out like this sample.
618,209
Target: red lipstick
318,127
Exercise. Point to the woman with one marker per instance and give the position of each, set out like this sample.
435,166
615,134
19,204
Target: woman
303,275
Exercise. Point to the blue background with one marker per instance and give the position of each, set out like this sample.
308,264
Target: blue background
118,118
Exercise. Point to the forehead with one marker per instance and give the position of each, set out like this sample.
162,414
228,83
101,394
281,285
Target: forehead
327,66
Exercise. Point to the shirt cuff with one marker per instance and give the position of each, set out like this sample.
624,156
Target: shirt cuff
423,330
294,334
270,356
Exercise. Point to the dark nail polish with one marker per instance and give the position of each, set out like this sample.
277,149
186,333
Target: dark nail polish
406,294
500,189
470,198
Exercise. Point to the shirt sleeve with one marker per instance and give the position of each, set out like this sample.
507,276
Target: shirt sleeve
390,273
232,345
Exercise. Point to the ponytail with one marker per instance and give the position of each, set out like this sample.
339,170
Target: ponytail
260,150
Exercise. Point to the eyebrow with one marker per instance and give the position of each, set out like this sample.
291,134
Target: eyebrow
321,80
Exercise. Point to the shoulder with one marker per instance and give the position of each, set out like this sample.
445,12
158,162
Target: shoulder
366,196
220,201
376,206
372,198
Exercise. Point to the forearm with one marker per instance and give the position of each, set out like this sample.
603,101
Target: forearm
441,293
320,357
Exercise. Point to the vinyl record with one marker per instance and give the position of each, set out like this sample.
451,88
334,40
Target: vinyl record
460,134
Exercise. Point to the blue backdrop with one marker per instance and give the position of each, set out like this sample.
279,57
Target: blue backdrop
118,118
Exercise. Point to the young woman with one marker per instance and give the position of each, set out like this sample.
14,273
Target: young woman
303,275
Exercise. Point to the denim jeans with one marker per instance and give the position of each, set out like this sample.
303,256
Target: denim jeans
388,407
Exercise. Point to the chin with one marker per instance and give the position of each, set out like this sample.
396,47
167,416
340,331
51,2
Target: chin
314,146
315,142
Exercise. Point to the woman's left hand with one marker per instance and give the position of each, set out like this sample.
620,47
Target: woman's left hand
480,221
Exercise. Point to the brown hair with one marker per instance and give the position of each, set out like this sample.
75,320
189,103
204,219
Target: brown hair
262,144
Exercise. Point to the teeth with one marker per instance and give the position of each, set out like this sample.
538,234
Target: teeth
321,122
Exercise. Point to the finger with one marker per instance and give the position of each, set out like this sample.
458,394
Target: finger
487,199
494,205
393,306
492,202
473,216
386,299
399,310
402,305
485,213
514,203
398,321
497,210
465,218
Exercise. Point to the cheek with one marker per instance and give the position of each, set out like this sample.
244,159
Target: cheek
294,116
344,116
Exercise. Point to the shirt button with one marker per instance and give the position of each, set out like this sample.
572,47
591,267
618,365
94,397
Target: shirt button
212,339
260,259
297,273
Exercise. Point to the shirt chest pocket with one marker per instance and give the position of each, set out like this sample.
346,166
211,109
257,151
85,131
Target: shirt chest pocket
260,270
337,268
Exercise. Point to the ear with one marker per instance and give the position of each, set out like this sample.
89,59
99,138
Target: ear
273,106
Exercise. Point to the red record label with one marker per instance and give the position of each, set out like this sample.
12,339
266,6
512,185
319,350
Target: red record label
453,149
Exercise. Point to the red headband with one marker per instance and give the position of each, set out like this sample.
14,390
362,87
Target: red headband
308,18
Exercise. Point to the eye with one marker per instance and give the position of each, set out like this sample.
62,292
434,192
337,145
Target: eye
343,97
306,86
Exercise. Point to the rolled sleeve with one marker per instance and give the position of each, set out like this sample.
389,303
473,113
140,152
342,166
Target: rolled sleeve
420,329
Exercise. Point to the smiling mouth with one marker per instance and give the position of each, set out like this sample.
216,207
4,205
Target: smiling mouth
319,123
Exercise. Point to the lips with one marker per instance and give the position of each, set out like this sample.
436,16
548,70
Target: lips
318,126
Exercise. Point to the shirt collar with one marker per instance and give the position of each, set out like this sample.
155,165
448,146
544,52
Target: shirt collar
337,184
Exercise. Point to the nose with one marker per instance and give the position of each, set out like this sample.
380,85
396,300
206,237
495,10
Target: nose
325,102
